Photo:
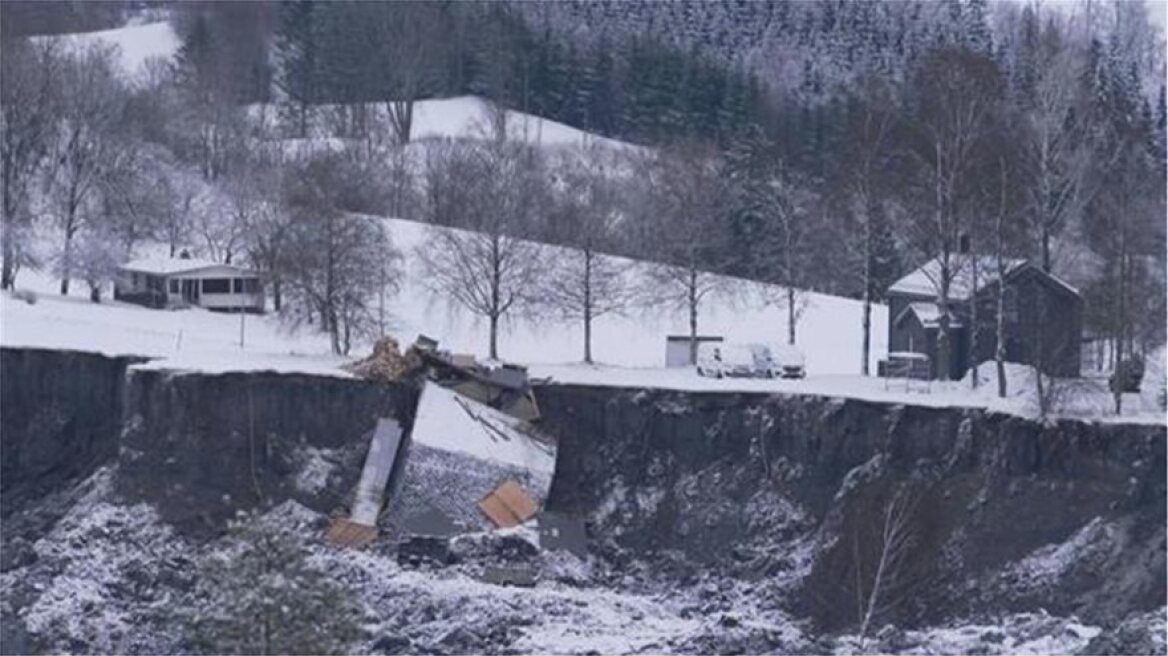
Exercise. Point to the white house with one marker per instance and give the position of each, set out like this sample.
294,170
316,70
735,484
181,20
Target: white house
168,282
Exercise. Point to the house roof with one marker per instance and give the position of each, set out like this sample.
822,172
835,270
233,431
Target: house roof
173,265
925,280
928,314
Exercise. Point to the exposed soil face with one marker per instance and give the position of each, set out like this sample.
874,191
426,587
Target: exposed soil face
201,447
746,476
717,515
60,417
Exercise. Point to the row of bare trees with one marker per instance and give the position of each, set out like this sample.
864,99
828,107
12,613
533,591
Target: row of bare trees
594,202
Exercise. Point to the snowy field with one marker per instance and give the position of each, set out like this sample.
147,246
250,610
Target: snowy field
629,349
829,330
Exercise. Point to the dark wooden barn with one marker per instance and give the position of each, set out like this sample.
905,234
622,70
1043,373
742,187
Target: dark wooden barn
1043,316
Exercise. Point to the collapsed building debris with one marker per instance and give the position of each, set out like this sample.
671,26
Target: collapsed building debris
505,387
473,459
361,527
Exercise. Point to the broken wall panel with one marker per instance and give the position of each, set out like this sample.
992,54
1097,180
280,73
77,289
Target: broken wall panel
459,452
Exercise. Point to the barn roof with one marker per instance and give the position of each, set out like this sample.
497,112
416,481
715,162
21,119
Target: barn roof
928,314
925,280
174,265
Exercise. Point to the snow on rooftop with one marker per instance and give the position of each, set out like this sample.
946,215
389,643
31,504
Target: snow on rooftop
137,44
926,280
928,313
170,265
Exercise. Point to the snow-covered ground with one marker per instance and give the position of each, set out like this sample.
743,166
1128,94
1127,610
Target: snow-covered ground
198,339
629,348
181,339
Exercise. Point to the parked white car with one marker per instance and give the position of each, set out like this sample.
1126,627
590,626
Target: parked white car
719,359
787,361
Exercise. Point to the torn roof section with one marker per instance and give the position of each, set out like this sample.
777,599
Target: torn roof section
446,420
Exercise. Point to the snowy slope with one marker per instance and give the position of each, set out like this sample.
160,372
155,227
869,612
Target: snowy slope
467,116
829,331
136,44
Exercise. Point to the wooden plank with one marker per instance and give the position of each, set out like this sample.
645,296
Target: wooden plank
350,534
516,500
498,512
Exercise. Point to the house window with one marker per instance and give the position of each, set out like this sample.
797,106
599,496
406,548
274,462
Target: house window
173,286
237,285
134,280
217,285
251,285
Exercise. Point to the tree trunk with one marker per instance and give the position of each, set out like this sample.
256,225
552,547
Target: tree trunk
866,320
866,345
494,353
67,256
1046,249
790,315
1000,325
494,312
693,315
8,269
973,326
401,117
588,306
7,243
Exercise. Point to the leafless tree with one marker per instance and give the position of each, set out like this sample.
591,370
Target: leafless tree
1057,154
488,270
882,586
957,95
870,135
406,45
787,207
96,260
29,98
335,263
687,195
587,284
86,148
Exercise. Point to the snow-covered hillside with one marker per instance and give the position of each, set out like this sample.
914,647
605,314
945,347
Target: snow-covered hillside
829,331
136,44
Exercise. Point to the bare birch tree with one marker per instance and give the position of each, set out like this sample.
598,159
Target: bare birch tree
336,264
487,269
883,587
957,95
787,206
870,136
587,284
688,196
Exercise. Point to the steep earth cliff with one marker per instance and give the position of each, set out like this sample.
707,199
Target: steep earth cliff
1002,513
